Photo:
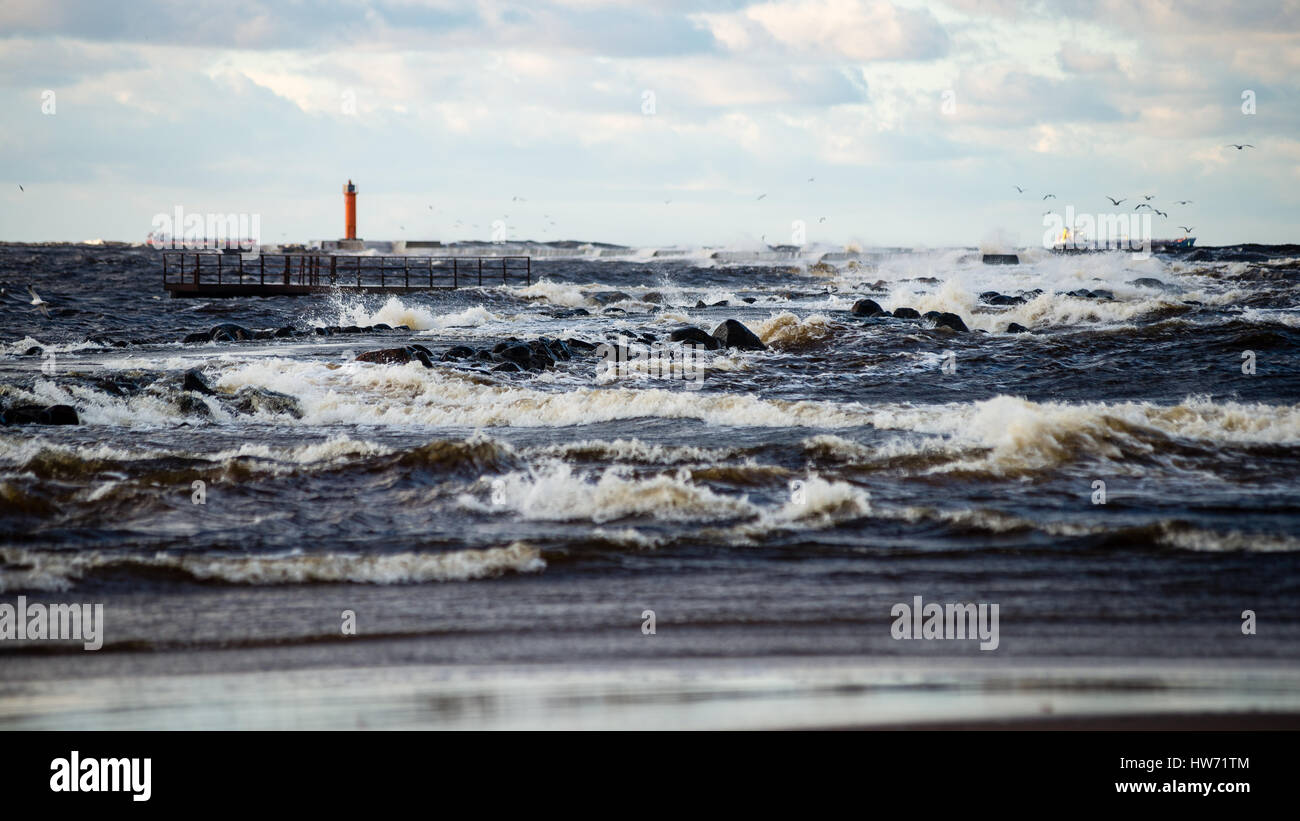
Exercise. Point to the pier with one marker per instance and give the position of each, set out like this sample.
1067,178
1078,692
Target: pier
207,274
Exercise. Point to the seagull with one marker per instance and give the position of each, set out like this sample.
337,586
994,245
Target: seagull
1239,147
667,201
760,196
1148,197
810,179
38,302
1161,213
1049,196
823,219
1045,213
1186,229
20,187
1183,202
1018,189
1114,201
1141,205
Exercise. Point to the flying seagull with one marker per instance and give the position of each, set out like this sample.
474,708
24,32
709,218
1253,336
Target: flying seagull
823,219
1183,202
1161,213
1141,205
1049,196
1186,229
38,302
20,187
810,179
1114,201
1239,147
760,196
1019,190
1148,197
667,201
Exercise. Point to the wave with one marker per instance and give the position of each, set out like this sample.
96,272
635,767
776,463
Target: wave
58,571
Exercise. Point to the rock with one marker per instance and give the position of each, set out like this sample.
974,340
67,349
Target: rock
609,297
194,381
382,326
35,350
229,332
559,351
570,313
722,303
397,356
749,300
613,311
281,333
401,328
1000,259
200,337
580,345
457,352
59,415
907,313
868,307
994,298
1101,294
948,320
821,268
264,334
350,329
252,400
516,352
695,336
732,334
652,297
699,303
1017,328
322,331
507,367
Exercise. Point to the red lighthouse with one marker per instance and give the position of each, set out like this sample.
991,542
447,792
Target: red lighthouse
350,211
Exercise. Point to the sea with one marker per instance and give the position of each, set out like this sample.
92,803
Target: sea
283,535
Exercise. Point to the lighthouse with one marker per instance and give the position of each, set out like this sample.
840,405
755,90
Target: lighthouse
350,241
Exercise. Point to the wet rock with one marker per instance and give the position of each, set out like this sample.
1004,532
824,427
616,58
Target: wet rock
397,356
1101,294
995,298
749,300
37,415
281,333
653,297
944,319
868,307
457,352
1017,328
199,337
907,313
580,345
194,381
722,303
507,367
381,326
732,334
35,350
609,297
695,336
559,351
250,400
229,332
264,334
614,311
323,331
516,352
570,313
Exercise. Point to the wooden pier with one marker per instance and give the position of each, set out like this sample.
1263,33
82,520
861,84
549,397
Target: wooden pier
208,274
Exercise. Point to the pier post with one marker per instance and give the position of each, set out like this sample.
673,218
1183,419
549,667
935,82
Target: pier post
480,271
261,273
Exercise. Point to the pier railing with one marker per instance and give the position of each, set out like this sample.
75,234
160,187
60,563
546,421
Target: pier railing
196,273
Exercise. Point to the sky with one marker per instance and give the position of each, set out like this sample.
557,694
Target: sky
729,124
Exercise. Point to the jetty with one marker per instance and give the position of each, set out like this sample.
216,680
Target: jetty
215,274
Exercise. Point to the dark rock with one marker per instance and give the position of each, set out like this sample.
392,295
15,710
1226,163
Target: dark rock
867,307
457,352
229,332
35,350
653,297
1017,328
907,313
613,311
350,329
484,355
1001,259
194,381
398,356
608,297
516,352
580,345
415,347
322,331
749,300
252,400
401,328
192,338
1101,294
382,326
732,334
558,350
264,334
948,320
281,333
722,303
695,336
509,367
59,415
699,303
